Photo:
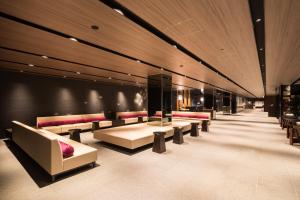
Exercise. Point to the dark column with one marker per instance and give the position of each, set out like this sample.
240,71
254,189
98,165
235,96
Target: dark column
271,105
208,99
233,104
160,96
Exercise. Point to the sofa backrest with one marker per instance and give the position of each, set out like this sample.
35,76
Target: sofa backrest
195,115
43,148
68,119
131,114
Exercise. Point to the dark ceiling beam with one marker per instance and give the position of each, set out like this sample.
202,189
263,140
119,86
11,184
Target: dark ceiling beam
258,20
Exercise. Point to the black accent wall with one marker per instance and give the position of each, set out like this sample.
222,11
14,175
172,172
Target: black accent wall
25,96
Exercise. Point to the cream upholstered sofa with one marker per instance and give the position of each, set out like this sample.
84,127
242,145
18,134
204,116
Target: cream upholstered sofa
61,124
132,116
43,147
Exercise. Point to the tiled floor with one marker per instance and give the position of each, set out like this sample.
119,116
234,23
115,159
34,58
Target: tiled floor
246,156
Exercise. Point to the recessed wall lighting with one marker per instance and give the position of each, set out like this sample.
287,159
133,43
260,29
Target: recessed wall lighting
94,27
109,77
30,65
73,39
258,20
119,11
77,72
45,57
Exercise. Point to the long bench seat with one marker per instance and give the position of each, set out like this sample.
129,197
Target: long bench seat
44,147
61,124
132,116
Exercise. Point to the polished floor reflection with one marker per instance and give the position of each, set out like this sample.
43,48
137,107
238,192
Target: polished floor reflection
246,156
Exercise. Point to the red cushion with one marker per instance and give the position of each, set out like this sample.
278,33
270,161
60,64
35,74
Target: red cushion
66,149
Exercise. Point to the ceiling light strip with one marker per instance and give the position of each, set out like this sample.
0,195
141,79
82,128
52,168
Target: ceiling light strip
258,20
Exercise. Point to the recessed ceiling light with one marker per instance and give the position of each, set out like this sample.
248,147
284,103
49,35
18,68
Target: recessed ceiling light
258,20
109,77
138,61
175,46
200,62
77,72
129,74
73,39
119,11
162,69
45,57
30,65
261,49
94,27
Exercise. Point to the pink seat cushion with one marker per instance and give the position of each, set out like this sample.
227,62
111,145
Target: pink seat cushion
66,149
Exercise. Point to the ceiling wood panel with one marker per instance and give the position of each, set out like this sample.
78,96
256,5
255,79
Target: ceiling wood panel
116,32
282,42
218,31
18,36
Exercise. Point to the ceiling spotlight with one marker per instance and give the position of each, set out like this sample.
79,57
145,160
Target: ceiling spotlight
200,62
94,27
129,74
175,46
138,61
77,72
73,39
45,57
109,77
30,65
258,20
162,69
261,49
119,11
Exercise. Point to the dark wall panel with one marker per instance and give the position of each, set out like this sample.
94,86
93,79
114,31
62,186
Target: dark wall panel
24,97
271,106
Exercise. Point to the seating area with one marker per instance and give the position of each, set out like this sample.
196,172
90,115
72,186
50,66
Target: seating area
48,149
61,124
150,99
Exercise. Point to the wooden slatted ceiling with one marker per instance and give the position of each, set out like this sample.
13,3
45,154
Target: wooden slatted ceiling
218,31
116,32
282,25
59,68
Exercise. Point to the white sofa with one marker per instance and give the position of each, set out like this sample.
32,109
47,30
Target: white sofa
61,124
43,147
